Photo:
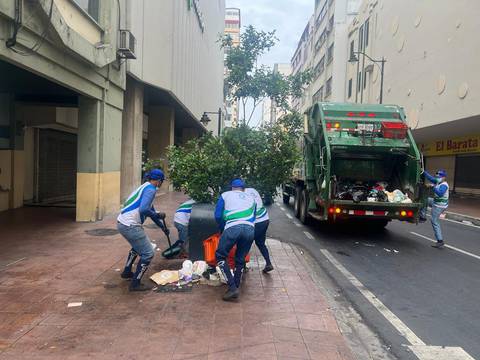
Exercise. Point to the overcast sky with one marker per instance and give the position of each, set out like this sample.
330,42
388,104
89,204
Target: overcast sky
287,17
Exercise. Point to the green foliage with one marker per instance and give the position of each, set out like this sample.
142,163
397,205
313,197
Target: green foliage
264,158
247,80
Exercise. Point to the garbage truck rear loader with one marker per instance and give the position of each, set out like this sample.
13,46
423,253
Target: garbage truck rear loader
359,162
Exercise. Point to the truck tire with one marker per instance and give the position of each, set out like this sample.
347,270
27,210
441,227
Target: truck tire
303,216
286,199
297,201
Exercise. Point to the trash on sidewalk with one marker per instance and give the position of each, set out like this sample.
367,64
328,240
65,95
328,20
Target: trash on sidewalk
173,288
74,304
165,277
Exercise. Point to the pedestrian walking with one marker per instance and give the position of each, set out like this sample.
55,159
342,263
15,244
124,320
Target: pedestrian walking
181,220
137,207
262,221
235,215
439,203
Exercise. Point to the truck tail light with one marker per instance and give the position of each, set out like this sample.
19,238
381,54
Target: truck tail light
410,213
338,210
403,213
333,126
331,210
394,130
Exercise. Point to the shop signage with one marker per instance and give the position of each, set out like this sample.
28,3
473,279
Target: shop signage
460,145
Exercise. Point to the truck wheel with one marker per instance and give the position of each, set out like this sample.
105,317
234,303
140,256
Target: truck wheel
304,217
297,201
286,199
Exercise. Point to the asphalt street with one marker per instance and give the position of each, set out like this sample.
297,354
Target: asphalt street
435,293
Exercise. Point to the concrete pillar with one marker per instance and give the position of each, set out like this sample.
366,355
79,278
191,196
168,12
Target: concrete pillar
132,136
161,133
99,149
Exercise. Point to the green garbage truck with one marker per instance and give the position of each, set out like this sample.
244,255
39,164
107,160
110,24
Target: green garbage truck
359,162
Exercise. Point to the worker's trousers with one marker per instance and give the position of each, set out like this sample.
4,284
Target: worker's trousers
138,240
242,236
260,239
436,212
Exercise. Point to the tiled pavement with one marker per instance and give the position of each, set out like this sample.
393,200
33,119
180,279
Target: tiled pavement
47,261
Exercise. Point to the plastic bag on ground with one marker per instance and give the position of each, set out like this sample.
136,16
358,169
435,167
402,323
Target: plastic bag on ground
186,271
199,267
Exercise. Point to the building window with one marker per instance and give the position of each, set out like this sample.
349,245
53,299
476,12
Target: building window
91,7
366,31
320,67
360,39
364,79
328,87
359,81
350,85
352,49
330,54
318,96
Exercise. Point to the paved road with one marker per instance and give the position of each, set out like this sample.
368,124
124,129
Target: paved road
435,293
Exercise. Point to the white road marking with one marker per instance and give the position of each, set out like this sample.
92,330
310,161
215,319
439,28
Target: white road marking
308,235
447,246
298,224
391,317
289,216
282,208
440,353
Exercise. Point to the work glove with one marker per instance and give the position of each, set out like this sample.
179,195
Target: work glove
166,231
158,221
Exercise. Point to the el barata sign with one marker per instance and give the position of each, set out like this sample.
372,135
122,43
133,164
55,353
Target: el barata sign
461,145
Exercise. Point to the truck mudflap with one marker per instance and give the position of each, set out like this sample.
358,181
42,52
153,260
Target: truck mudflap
349,209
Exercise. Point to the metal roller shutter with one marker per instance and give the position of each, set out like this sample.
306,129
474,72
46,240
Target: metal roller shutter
57,166
467,174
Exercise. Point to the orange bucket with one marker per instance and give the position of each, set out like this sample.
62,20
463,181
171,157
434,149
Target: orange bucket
210,245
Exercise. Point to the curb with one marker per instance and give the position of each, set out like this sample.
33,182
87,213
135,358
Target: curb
470,220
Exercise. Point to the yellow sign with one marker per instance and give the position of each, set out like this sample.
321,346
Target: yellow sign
461,145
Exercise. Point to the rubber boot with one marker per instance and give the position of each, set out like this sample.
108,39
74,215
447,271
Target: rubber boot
127,271
267,268
136,284
439,245
238,276
232,292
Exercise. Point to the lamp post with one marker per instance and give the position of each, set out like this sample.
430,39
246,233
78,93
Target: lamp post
205,119
353,58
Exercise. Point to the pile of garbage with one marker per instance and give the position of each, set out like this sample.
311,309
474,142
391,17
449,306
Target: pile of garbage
189,274
372,192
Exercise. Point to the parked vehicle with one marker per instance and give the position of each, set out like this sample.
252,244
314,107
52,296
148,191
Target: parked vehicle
359,161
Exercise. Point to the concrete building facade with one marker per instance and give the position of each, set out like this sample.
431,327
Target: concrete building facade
326,40
75,114
430,71
233,24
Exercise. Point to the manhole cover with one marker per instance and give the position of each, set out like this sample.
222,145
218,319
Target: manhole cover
102,232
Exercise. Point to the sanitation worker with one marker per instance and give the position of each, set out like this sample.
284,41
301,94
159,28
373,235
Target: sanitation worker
137,207
438,203
261,225
235,214
181,221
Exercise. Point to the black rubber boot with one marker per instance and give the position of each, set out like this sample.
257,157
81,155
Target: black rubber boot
127,271
237,277
267,268
231,294
136,284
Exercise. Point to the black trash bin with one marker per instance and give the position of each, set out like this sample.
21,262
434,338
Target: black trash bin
202,225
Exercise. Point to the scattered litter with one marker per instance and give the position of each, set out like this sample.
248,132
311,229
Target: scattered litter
199,267
396,251
387,250
173,288
117,270
165,277
186,271
74,304
301,252
154,246
369,245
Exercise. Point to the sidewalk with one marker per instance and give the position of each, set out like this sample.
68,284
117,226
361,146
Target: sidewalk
47,261
464,208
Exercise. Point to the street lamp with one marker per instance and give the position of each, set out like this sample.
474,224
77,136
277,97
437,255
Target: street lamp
205,119
353,59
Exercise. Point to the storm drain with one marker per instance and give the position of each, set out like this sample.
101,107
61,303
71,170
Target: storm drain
102,232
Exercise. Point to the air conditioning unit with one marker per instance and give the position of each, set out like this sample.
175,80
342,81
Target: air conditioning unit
126,47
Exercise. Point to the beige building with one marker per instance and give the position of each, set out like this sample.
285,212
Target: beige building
431,69
80,97
233,23
323,47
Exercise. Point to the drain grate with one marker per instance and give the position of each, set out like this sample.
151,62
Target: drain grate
102,232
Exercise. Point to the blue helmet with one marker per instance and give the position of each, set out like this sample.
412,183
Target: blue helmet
441,173
156,174
238,183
